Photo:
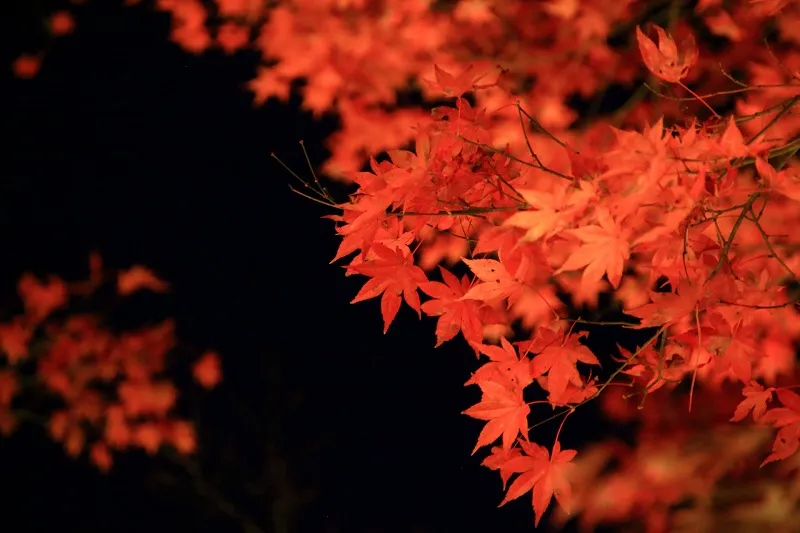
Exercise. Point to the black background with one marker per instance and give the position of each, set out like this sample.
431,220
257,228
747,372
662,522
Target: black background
127,145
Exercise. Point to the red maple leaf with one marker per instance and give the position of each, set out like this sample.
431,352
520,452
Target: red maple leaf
497,282
734,347
664,60
544,474
393,273
787,418
505,410
755,399
546,217
559,362
604,250
667,308
505,364
503,239
499,460
454,313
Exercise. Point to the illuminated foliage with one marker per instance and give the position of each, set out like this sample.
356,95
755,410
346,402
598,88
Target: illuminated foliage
96,389
644,151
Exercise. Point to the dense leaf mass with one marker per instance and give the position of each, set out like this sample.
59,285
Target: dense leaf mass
675,200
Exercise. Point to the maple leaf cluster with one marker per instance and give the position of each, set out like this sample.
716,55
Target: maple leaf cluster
677,201
684,224
95,390
685,471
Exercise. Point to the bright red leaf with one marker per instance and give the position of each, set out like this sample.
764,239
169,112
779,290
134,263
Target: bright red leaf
756,399
544,474
454,313
665,60
393,274
496,284
505,410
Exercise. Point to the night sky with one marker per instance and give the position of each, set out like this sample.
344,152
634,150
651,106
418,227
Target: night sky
127,145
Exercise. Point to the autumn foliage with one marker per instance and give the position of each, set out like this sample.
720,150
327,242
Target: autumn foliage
96,389
564,151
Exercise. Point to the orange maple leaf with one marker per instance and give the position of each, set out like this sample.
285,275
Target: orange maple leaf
559,362
787,418
546,219
393,273
505,410
499,458
505,362
664,60
497,282
667,308
544,474
755,399
604,251
454,314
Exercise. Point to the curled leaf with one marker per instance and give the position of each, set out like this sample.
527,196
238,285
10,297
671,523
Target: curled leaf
665,60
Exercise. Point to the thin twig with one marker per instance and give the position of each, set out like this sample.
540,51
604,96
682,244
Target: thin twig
602,387
726,248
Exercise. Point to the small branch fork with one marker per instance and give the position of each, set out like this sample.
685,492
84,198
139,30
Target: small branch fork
319,192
